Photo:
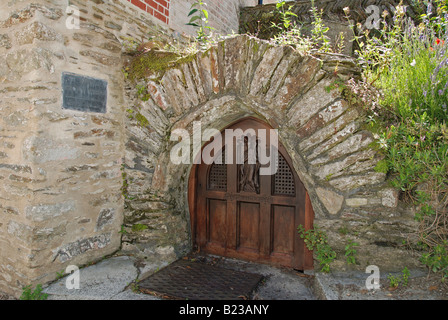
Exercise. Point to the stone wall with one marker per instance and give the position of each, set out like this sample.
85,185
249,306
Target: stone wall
60,170
78,186
322,132
258,20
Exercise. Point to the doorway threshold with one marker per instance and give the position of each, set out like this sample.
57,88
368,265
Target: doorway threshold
197,279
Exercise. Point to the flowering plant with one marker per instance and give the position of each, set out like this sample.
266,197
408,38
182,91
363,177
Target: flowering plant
408,64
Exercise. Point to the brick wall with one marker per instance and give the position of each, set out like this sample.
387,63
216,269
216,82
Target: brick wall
223,15
157,8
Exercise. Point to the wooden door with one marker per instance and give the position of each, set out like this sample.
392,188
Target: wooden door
242,214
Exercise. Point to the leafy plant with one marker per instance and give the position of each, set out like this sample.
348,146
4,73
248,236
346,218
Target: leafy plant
437,260
316,240
405,276
350,252
122,230
60,274
199,19
135,287
285,16
319,30
36,294
142,92
291,33
394,281
408,65
343,230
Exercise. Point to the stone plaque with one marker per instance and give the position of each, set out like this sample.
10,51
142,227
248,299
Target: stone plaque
83,93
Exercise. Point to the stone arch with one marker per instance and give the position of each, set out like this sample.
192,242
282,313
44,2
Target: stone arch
294,93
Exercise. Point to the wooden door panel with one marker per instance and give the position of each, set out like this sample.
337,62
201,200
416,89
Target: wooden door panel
282,233
217,219
248,224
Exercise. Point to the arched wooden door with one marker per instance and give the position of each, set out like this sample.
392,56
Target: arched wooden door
236,212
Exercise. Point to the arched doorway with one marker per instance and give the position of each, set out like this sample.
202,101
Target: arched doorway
236,212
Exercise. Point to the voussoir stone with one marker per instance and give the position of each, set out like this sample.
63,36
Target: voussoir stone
310,104
330,199
268,64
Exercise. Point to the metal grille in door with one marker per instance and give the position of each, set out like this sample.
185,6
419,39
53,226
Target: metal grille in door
217,178
284,178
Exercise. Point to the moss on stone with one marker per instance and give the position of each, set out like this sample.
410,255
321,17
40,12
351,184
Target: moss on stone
382,166
151,63
255,47
141,119
139,227
155,63
185,59
206,53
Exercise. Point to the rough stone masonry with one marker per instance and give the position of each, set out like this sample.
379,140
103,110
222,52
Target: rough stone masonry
60,170
294,93
77,186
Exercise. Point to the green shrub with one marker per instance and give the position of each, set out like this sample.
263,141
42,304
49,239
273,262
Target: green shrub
316,240
437,259
291,33
408,65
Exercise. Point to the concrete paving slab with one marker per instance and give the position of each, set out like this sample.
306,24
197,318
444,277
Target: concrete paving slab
101,281
352,286
110,280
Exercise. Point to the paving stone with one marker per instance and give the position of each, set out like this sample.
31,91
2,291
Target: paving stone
101,281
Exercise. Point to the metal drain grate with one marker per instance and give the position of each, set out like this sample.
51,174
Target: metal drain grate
186,279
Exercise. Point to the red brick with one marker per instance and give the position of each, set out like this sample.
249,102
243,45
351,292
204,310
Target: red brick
139,4
163,3
156,8
160,16
151,3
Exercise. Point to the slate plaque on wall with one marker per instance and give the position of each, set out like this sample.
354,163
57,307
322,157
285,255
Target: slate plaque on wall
83,93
